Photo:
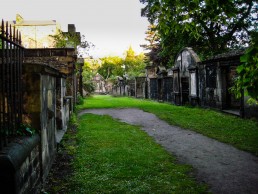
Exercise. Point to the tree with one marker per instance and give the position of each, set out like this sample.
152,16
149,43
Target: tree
134,65
87,75
212,26
153,46
152,37
247,80
114,66
111,66
72,40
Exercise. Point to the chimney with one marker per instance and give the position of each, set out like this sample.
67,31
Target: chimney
71,28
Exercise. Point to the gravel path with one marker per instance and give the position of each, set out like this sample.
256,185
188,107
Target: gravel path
224,168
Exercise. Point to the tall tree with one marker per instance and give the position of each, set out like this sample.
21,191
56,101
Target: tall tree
134,65
111,66
153,46
211,25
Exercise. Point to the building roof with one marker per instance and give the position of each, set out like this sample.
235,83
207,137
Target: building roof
34,23
21,22
233,56
232,53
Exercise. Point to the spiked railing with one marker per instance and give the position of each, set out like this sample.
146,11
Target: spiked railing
11,58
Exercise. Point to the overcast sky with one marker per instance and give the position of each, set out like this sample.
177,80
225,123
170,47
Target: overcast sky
112,25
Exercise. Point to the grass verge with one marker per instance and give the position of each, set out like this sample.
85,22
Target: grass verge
238,132
120,158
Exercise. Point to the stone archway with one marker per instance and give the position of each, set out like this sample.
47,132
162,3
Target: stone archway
185,76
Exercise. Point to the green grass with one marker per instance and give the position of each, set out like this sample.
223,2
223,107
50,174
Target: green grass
121,158
238,132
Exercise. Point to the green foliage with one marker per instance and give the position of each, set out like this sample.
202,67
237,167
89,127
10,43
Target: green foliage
209,26
111,65
25,130
79,99
154,46
65,39
238,132
89,86
73,122
72,40
247,80
114,157
87,76
134,65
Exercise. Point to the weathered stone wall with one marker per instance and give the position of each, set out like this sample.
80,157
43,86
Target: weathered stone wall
140,87
167,89
63,59
109,87
48,125
62,104
40,105
131,87
250,111
216,78
124,88
127,88
191,81
20,166
113,92
153,85
25,163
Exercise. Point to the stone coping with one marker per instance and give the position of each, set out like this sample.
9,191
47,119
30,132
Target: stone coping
15,153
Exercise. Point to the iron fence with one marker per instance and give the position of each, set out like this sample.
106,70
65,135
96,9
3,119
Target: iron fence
11,57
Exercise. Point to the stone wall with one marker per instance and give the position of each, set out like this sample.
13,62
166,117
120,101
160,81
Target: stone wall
49,92
20,166
216,79
62,59
250,111
40,105
131,87
153,91
140,87
198,83
48,124
167,89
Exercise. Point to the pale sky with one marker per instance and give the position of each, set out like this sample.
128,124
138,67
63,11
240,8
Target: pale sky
112,25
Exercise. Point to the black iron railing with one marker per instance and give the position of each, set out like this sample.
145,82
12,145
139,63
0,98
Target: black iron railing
11,57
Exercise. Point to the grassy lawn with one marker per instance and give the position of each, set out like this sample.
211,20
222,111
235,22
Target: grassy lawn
238,132
114,157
